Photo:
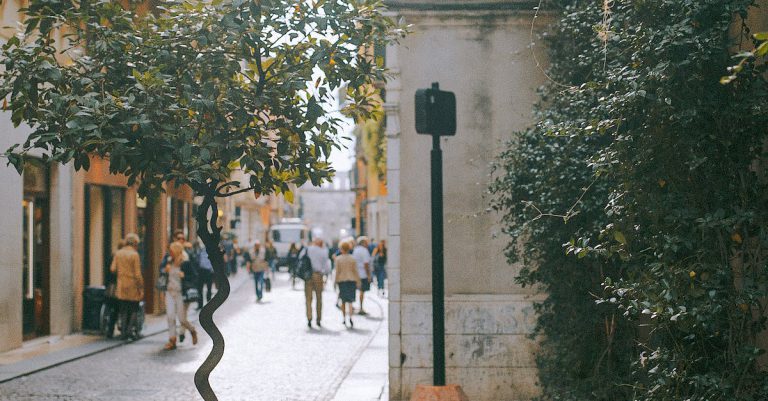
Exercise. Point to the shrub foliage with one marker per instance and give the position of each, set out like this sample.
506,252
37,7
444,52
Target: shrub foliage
638,203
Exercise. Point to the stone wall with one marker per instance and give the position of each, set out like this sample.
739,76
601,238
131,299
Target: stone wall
481,52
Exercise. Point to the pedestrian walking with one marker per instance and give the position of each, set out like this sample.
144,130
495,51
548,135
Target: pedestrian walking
321,266
130,284
348,280
363,259
235,257
177,269
190,293
293,262
112,303
333,250
258,267
229,256
380,264
191,282
270,256
179,237
204,277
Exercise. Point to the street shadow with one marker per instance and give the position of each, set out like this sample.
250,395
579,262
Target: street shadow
355,330
184,353
262,302
373,318
323,332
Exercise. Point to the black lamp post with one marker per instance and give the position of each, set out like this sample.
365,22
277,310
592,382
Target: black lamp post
436,116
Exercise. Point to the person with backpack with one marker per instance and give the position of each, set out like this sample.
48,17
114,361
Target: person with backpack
314,265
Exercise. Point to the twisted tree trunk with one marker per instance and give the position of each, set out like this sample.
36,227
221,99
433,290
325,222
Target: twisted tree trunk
210,233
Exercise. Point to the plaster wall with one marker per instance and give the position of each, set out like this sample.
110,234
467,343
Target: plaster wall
11,268
484,57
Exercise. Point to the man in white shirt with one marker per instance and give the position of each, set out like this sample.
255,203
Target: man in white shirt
363,259
321,266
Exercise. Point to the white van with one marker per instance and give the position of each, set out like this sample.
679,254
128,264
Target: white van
287,232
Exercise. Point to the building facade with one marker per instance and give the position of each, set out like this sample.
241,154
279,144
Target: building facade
327,209
480,51
61,230
369,179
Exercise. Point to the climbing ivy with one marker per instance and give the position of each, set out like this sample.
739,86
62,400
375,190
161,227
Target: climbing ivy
638,204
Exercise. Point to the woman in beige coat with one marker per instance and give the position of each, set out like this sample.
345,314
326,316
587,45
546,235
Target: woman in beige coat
130,284
348,280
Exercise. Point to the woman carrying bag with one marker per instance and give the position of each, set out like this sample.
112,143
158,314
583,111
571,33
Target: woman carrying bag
348,280
180,280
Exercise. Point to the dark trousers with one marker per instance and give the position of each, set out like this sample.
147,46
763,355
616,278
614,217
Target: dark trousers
128,311
258,277
204,279
381,274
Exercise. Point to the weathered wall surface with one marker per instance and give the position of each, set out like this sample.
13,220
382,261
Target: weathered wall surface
11,268
481,52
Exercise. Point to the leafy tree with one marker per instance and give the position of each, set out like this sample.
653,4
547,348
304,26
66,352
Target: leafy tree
190,91
638,204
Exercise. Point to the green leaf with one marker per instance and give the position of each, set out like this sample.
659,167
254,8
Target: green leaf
619,237
762,49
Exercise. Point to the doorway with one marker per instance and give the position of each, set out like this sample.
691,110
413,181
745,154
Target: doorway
35,245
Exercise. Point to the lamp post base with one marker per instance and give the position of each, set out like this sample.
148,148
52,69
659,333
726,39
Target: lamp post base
449,392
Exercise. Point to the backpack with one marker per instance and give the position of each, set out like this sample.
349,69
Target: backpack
304,271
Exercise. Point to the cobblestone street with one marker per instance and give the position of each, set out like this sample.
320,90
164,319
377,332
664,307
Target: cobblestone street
270,355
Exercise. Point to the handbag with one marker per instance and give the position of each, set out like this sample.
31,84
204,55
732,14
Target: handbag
268,284
162,282
191,295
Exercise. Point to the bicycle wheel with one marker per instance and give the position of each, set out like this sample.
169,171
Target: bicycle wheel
104,313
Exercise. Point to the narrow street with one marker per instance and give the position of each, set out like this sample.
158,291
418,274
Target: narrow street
270,355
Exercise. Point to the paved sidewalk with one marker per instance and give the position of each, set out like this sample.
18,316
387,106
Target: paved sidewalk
368,379
47,352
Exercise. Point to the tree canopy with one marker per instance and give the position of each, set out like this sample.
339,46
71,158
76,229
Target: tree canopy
191,90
